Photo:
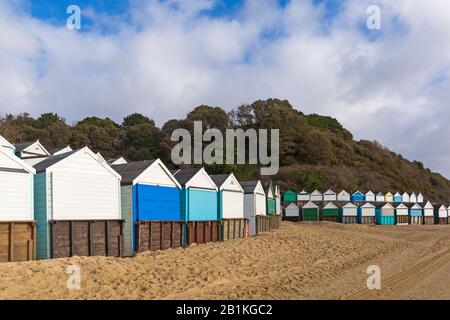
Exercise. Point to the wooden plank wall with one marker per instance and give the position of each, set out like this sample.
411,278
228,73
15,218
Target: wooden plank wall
17,241
262,224
234,228
159,235
86,238
202,232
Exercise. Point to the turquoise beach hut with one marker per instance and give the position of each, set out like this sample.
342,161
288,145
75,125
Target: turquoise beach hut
199,202
415,214
385,214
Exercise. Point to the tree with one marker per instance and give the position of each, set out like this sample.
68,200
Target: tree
135,119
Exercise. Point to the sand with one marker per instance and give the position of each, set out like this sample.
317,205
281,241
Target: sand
299,261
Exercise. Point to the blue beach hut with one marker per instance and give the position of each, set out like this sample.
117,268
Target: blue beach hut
150,196
415,214
358,196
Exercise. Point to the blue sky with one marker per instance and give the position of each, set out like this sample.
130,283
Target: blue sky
163,58
55,11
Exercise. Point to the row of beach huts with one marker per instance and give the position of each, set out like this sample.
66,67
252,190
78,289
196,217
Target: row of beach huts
363,208
62,203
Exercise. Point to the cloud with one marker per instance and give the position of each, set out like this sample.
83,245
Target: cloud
166,57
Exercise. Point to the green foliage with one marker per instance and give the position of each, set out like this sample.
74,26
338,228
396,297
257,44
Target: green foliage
316,152
136,119
312,180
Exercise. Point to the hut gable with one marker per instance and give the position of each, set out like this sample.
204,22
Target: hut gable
428,209
420,198
303,196
380,197
316,195
292,210
329,195
120,160
59,151
442,211
330,205
147,172
397,197
227,182
389,197
289,196
370,196
7,146
401,210
269,189
358,196
343,196
252,186
367,210
413,198
405,197
310,205
195,178
31,149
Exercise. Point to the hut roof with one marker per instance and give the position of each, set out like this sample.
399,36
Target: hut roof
131,170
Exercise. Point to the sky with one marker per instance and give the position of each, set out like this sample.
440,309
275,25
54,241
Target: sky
164,57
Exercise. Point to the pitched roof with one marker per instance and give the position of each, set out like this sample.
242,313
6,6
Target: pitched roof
22,146
51,160
249,185
219,179
184,175
131,170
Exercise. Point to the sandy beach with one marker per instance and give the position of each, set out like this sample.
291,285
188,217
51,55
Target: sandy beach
299,261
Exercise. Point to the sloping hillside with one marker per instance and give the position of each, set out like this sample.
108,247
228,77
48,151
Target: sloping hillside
315,151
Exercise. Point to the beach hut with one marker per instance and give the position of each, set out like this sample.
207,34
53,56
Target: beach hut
119,160
398,197
270,197
58,151
415,214
6,146
441,214
77,206
405,197
17,226
389,197
349,213
150,200
358,196
303,196
292,212
254,203
343,196
370,196
231,206
401,214
413,198
310,212
428,213
366,213
330,212
199,205
329,195
420,198
385,214
380,197
289,196
316,196
277,200
31,150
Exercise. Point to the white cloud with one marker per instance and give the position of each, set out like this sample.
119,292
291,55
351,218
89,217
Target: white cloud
394,89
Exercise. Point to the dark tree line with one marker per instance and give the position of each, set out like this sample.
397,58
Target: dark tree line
315,151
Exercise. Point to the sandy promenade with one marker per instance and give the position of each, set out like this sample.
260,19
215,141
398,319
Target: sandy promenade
299,261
